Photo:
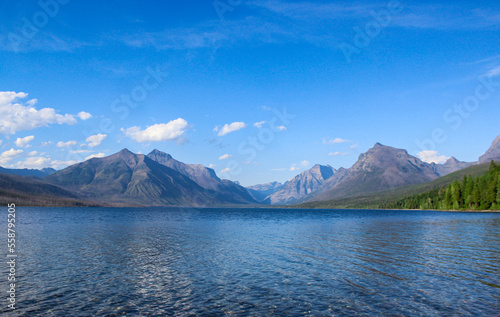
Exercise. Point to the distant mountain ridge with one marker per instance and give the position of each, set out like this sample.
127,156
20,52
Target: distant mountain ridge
157,179
301,185
205,177
450,166
30,191
261,191
380,168
126,177
28,172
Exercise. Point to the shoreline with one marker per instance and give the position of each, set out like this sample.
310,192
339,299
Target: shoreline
266,207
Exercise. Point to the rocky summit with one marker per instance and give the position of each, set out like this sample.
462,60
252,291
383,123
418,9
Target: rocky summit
380,168
136,179
493,152
451,165
301,185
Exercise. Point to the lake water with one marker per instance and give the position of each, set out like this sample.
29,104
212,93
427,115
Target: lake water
258,262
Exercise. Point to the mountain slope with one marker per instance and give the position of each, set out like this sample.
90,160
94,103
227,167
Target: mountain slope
202,175
28,191
260,191
205,177
380,168
28,172
130,178
301,185
380,199
450,166
493,152
470,193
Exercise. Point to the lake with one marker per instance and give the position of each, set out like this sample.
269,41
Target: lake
259,262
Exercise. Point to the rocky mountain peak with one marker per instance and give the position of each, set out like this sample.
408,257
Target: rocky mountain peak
126,156
380,168
159,154
321,171
382,156
301,185
451,165
493,152
451,161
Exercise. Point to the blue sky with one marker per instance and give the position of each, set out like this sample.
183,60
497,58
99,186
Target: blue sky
258,90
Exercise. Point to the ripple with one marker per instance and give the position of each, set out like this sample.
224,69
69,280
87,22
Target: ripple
172,261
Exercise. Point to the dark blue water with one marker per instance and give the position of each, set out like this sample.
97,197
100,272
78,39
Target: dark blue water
259,262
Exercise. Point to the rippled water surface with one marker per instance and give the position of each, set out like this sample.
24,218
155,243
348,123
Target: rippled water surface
259,262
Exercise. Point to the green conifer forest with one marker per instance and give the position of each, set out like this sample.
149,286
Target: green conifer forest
471,193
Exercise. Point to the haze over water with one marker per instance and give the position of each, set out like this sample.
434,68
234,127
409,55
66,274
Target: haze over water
261,262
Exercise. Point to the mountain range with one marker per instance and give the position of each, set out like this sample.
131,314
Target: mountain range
157,179
261,191
28,172
380,168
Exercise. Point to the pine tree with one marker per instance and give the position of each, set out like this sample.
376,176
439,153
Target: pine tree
490,196
456,195
492,168
463,184
481,192
498,192
468,192
447,198
476,198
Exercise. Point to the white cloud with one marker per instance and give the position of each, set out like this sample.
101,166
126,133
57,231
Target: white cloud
294,168
304,21
65,144
37,162
228,128
15,116
43,41
334,141
79,151
46,143
494,72
1,142
281,128
259,124
316,11
7,156
338,153
305,163
84,115
32,153
432,157
158,132
250,163
212,166
61,164
278,169
23,142
95,140
94,155
225,170
354,146
225,157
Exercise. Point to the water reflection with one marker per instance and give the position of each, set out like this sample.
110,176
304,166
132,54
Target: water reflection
94,261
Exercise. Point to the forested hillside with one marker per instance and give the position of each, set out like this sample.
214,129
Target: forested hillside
471,193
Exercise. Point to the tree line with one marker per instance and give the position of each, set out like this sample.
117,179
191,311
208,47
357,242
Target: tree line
471,193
